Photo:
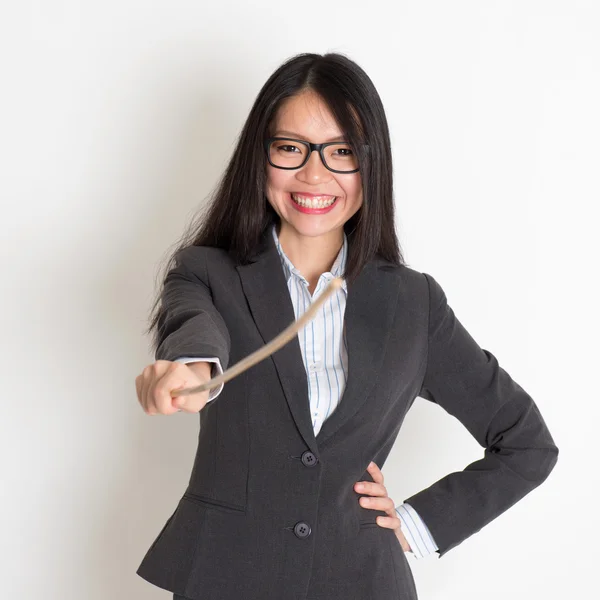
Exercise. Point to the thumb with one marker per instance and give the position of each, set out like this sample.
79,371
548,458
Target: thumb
180,401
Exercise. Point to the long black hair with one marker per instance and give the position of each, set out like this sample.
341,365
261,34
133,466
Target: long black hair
238,212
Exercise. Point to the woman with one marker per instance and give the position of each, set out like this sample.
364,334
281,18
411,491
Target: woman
273,508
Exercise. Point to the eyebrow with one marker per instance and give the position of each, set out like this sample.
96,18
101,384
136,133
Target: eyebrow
298,136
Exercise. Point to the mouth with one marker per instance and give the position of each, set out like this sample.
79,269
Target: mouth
314,201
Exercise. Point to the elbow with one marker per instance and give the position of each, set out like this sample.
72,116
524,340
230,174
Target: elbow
551,459
523,442
542,463
532,459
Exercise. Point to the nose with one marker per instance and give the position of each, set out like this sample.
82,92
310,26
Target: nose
314,169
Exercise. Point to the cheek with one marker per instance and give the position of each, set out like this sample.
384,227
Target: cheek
353,190
277,179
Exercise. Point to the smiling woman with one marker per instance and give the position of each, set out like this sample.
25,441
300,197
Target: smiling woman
313,201
273,509
313,182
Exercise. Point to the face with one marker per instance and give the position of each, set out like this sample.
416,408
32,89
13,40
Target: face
307,117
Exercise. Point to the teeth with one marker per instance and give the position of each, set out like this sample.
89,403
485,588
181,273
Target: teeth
316,202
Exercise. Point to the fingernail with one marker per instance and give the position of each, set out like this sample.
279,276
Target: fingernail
360,486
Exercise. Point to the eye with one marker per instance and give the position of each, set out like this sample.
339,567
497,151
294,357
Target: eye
288,148
341,151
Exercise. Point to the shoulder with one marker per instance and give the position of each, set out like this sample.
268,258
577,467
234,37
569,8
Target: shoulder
408,277
203,257
419,285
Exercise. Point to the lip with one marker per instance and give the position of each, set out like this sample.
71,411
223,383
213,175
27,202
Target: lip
311,211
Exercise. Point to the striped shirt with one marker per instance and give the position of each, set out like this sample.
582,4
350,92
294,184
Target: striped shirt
325,357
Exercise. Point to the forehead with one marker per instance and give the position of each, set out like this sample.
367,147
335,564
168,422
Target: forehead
306,115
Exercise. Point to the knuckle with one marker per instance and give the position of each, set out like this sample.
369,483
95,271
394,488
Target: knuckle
155,367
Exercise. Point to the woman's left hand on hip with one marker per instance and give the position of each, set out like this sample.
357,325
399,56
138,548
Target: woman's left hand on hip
377,499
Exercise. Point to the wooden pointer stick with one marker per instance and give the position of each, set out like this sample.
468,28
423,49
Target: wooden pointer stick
277,342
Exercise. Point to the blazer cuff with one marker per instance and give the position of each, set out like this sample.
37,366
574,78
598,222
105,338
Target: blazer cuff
216,369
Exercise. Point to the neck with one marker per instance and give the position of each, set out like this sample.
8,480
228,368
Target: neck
312,256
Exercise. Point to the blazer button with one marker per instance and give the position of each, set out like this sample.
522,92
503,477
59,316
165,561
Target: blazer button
302,530
309,459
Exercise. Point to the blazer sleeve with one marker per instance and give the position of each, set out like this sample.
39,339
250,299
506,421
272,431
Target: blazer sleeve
189,324
519,452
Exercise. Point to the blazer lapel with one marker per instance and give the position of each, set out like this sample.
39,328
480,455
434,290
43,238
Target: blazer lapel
369,314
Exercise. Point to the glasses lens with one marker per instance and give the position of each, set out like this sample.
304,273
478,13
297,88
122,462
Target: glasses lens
291,154
287,153
340,157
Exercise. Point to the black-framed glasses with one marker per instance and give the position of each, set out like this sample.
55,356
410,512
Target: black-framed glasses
289,153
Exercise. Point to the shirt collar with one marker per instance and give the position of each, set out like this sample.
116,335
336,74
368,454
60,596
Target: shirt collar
336,270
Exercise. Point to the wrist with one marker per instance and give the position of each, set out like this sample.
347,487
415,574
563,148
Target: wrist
201,368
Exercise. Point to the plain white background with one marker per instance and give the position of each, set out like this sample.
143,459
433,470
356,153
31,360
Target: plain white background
116,120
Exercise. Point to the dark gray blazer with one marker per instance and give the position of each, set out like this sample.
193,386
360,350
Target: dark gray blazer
270,511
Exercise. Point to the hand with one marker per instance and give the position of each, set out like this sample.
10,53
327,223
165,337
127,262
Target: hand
381,501
156,382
